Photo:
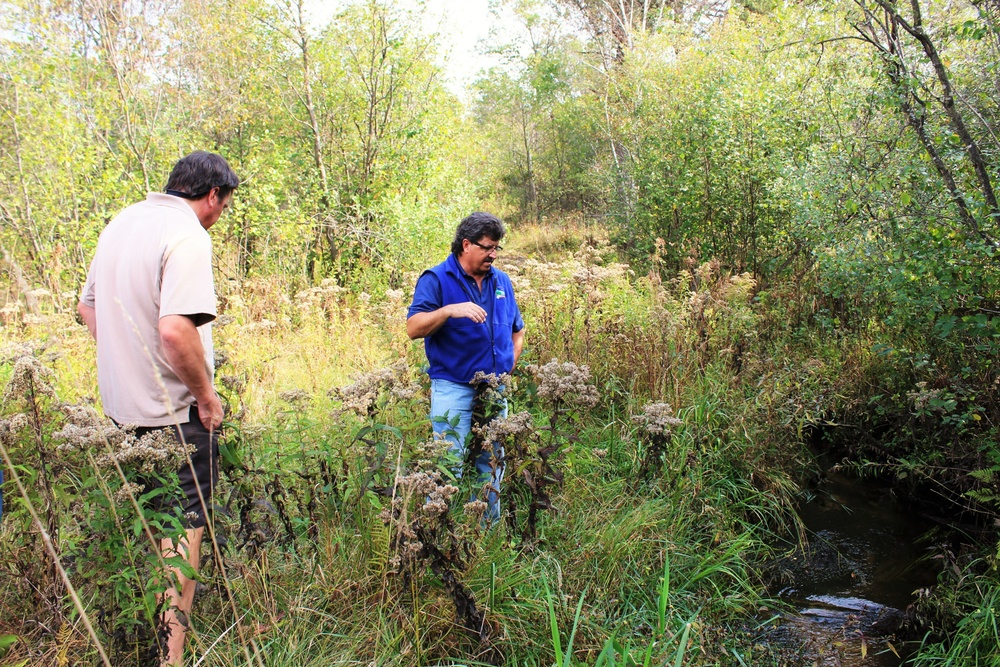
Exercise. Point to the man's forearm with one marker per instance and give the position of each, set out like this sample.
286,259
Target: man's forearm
420,325
89,317
518,339
184,352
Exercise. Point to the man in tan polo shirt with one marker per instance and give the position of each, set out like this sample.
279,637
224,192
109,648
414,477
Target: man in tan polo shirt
148,301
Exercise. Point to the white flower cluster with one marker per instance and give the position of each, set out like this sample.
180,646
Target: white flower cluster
565,383
592,274
497,430
436,494
324,293
157,450
18,421
923,396
86,429
30,377
361,396
295,396
13,351
657,418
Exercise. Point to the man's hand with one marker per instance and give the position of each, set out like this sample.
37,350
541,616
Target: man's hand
420,325
211,413
468,309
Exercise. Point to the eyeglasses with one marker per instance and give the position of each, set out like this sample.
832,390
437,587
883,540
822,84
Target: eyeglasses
488,248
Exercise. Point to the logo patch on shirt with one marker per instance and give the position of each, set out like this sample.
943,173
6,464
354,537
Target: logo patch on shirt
500,293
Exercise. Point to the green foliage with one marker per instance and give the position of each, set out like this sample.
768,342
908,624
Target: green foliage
962,615
94,490
537,137
710,136
343,136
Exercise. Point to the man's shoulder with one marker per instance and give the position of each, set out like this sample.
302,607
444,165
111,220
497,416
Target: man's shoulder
438,269
160,208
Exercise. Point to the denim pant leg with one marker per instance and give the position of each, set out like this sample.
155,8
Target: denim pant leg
449,399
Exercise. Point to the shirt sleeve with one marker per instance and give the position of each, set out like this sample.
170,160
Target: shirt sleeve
427,296
186,285
87,295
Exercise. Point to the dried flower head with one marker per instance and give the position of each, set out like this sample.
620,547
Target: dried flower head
923,397
475,509
13,351
501,428
295,396
86,429
565,383
128,491
430,494
233,383
362,396
158,450
19,421
492,388
657,418
220,358
29,380
427,455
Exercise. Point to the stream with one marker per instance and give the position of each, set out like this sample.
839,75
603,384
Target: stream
850,587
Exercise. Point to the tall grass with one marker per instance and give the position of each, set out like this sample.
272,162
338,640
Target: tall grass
626,568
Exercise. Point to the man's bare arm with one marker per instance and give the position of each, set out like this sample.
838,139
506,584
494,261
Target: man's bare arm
89,317
518,338
186,356
420,325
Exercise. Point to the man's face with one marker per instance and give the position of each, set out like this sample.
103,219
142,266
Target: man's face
214,206
480,254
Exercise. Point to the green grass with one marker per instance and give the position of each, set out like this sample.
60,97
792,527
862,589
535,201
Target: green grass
624,571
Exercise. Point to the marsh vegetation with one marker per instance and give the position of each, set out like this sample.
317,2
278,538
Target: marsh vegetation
732,229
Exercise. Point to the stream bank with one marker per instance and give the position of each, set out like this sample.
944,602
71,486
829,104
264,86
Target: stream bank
853,584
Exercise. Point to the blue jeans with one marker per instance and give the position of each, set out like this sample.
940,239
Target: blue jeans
451,399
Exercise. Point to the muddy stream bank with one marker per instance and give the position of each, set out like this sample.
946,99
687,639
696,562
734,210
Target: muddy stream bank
865,562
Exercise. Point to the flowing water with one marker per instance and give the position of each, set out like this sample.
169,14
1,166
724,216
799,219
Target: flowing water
863,566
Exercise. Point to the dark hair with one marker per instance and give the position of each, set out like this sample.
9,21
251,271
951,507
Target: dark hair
196,174
475,227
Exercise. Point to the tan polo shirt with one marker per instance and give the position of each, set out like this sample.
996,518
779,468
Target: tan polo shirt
154,259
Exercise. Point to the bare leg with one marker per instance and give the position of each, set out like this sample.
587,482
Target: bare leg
180,595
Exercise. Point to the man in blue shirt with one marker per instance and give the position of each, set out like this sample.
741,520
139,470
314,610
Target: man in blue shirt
465,311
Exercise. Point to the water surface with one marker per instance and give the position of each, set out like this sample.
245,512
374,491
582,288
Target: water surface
864,564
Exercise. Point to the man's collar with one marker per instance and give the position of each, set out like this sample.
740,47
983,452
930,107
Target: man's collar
160,199
455,266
